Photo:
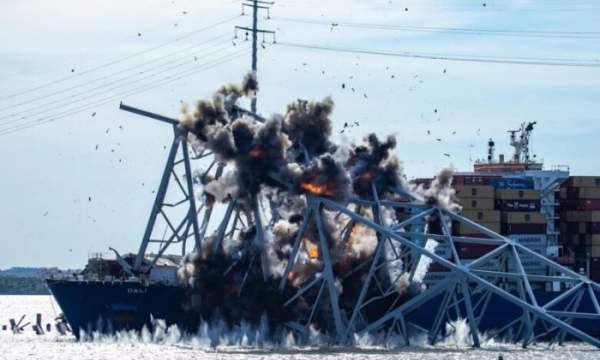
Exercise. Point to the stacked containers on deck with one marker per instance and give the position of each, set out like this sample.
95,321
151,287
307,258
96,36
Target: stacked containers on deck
580,220
521,219
477,203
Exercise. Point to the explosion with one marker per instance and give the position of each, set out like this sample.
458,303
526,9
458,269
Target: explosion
275,167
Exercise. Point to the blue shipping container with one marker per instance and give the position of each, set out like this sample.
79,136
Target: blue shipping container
511,183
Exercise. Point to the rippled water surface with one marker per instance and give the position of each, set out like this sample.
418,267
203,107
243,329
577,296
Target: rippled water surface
168,344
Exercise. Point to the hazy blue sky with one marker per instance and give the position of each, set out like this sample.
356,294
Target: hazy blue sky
74,61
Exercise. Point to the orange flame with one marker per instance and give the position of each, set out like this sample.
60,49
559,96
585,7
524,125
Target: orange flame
355,228
313,253
290,276
367,176
317,189
257,152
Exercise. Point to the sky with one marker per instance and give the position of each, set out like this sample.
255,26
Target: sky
78,175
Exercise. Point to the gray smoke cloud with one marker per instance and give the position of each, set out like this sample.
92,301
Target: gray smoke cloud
280,162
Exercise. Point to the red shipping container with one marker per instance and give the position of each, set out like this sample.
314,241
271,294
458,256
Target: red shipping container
507,229
458,180
580,204
473,251
437,267
594,269
572,227
518,205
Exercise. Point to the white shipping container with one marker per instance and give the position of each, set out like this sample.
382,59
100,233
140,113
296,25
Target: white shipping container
488,265
529,263
542,250
530,240
433,277
443,251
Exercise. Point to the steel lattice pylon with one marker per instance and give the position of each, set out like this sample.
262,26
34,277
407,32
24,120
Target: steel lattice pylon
390,298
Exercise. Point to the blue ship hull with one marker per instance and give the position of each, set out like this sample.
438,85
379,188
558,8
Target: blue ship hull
113,306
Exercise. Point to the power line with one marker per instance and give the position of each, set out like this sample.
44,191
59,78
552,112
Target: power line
461,31
120,59
112,44
136,67
481,59
101,88
149,86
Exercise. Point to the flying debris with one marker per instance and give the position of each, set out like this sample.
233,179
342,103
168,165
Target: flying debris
343,86
72,70
139,34
352,89
356,123
107,130
435,110
365,96
263,46
195,58
444,71
428,132
447,154
438,139
96,147
345,125
94,114
89,198
233,42
454,132
185,12
46,214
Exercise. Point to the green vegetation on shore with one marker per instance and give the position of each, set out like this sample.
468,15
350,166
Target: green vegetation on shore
11,285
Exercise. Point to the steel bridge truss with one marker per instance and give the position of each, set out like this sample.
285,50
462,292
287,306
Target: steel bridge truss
394,296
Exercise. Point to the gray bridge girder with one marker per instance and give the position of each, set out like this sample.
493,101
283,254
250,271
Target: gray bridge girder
464,281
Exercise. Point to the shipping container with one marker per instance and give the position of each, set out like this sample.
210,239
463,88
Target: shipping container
512,183
582,181
540,250
464,229
476,204
468,251
517,205
482,215
581,193
528,263
589,240
443,251
478,179
480,192
508,229
593,250
488,265
529,240
581,204
433,277
523,218
562,193
512,194
592,227
588,216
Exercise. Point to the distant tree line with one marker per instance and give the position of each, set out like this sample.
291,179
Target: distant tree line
11,285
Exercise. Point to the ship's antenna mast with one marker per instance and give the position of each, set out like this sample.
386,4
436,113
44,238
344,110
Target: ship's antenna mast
255,31
522,145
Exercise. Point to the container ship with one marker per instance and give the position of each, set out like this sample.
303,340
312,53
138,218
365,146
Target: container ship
547,211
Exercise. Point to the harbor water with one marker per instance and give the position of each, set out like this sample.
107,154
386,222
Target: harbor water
167,344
